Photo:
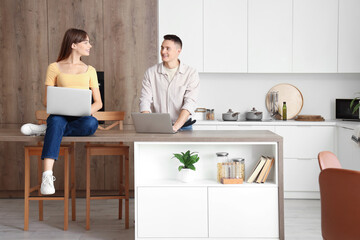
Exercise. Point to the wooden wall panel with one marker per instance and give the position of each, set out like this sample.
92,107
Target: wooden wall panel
124,38
86,15
130,47
24,53
23,62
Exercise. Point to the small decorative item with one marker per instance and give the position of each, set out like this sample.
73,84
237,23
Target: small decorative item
187,170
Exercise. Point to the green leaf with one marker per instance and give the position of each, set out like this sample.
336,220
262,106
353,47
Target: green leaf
180,167
179,156
192,167
356,107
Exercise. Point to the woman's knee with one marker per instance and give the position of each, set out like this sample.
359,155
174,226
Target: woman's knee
56,120
91,124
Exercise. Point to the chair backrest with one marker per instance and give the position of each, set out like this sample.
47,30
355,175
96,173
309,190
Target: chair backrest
340,208
328,160
41,116
116,116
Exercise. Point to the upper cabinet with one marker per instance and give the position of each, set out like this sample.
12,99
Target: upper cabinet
270,36
225,36
349,36
265,36
315,32
184,19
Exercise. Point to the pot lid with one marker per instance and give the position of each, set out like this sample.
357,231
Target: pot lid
222,154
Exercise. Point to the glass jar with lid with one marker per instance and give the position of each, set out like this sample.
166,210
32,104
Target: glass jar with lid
239,167
222,160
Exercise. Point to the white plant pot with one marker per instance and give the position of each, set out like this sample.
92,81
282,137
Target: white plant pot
186,175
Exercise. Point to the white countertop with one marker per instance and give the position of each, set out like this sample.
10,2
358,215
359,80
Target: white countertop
347,124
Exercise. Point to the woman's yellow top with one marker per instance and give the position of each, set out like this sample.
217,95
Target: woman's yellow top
81,81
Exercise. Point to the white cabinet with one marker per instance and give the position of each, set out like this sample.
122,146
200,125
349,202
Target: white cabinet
229,215
225,36
270,36
306,141
315,33
168,211
302,144
301,175
348,151
166,208
185,20
349,36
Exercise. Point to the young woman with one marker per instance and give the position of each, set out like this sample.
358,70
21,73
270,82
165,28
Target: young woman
68,71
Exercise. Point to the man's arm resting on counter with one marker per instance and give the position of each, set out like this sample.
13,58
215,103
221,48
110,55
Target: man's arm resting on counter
183,117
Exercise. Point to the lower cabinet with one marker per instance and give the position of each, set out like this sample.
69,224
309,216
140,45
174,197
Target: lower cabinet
167,211
348,151
231,216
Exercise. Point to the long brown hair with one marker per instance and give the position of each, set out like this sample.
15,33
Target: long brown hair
71,36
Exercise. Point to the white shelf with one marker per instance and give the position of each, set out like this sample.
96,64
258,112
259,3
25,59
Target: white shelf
202,183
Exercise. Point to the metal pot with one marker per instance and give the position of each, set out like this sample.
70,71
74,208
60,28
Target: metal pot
254,115
230,116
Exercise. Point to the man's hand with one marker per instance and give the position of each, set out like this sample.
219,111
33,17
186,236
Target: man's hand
145,112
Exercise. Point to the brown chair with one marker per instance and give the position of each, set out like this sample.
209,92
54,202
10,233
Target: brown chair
340,209
65,150
119,149
328,160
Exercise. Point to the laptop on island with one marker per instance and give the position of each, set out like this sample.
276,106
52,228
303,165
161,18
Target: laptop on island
152,122
68,101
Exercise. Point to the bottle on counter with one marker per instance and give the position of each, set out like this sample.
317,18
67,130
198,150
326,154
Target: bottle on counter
284,111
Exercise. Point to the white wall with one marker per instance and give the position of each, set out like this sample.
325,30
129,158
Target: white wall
241,92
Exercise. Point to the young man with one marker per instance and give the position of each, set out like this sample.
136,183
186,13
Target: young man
171,86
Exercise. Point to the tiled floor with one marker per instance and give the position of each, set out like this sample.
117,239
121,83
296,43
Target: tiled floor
302,221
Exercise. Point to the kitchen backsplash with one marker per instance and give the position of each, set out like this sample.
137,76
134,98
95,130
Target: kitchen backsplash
241,92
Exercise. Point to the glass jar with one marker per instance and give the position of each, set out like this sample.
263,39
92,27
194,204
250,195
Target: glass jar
222,159
240,167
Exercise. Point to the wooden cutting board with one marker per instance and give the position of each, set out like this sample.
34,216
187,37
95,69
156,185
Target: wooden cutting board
309,118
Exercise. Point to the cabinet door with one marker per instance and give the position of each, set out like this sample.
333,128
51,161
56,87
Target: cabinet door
349,36
225,36
270,36
348,151
301,175
315,31
306,141
243,212
185,20
172,212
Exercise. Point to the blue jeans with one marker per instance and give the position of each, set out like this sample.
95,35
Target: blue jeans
59,126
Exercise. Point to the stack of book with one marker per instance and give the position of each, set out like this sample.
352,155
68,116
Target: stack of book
261,170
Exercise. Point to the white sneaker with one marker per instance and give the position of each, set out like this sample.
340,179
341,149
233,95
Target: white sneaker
33,129
47,185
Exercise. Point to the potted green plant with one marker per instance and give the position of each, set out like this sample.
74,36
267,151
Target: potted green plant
187,169
355,104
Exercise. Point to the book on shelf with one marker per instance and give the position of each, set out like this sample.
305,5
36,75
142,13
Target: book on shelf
264,170
259,165
268,170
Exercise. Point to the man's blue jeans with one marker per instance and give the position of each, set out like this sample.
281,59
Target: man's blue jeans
59,126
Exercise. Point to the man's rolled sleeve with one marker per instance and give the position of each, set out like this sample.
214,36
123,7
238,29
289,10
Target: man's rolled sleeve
192,93
146,97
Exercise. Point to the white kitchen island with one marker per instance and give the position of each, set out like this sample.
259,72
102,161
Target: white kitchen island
166,208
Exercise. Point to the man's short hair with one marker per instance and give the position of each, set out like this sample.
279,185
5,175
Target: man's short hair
173,38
